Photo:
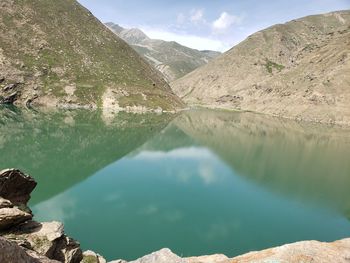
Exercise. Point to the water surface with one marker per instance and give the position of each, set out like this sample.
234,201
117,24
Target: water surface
199,183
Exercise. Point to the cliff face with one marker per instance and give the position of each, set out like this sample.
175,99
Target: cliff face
298,70
58,53
170,58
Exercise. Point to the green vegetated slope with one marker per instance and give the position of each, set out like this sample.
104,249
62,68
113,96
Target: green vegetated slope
58,53
298,70
170,58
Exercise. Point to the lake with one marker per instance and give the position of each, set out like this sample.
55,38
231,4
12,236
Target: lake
200,182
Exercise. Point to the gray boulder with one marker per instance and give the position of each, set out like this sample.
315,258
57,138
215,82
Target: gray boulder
12,253
47,239
12,216
164,255
16,186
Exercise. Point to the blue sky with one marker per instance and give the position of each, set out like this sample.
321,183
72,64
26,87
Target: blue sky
206,24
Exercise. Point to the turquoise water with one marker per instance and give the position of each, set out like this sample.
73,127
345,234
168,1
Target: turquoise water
201,182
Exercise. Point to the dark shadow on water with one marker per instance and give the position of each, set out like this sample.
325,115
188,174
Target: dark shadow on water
63,148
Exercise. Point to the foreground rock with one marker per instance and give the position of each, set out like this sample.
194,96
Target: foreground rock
42,242
92,257
15,189
12,253
12,216
306,251
16,186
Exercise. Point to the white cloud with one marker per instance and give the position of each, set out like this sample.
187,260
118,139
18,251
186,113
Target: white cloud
188,40
180,153
197,16
225,21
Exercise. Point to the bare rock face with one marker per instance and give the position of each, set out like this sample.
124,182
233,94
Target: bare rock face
306,251
16,186
12,253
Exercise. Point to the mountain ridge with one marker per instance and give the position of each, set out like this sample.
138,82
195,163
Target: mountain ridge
169,57
297,70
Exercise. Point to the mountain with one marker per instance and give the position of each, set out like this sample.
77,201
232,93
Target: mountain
57,53
170,58
298,70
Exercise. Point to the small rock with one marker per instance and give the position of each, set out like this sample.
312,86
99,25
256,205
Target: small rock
9,99
16,186
92,257
68,251
164,255
9,87
2,79
4,203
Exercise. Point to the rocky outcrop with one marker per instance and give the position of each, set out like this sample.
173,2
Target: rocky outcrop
10,252
306,251
15,189
16,186
47,239
38,242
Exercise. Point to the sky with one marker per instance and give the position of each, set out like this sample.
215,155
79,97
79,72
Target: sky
206,24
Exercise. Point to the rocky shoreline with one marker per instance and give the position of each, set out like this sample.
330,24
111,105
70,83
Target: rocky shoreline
27,241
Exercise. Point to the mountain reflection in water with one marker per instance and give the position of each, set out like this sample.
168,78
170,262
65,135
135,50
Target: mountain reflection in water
205,182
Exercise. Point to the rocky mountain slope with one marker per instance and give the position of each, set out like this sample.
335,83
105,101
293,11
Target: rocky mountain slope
57,53
170,58
299,70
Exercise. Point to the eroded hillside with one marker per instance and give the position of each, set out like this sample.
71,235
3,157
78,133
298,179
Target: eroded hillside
298,70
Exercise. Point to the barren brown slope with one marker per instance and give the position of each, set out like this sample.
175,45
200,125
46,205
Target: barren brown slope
298,70
58,53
